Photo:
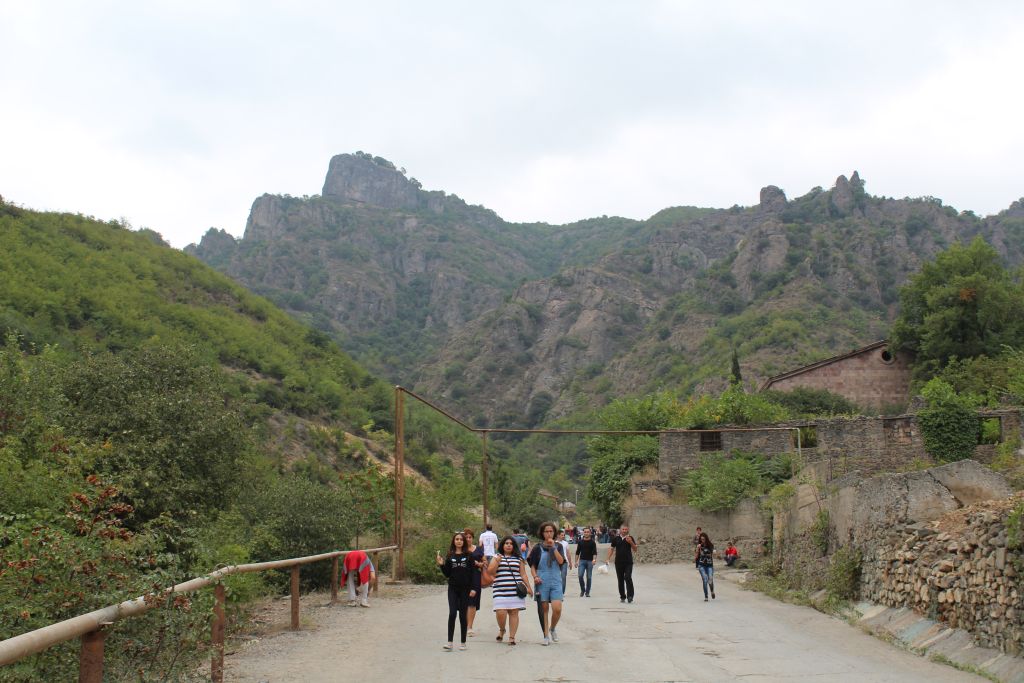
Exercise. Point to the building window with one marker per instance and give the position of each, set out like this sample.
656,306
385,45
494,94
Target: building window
711,441
808,437
887,356
991,431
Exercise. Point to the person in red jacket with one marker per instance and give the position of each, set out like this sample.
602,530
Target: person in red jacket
358,572
731,554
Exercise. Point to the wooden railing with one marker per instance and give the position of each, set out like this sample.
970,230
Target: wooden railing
92,627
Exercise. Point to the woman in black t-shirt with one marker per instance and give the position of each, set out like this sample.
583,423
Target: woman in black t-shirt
705,561
458,566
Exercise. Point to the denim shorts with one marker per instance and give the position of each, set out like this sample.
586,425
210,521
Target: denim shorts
550,590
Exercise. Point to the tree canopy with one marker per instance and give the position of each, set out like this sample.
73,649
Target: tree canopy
963,304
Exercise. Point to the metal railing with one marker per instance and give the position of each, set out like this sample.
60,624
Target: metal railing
92,627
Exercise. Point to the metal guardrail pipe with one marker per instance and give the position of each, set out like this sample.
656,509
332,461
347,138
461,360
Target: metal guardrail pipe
21,646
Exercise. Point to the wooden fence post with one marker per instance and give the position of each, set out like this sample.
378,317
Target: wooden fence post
217,635
90,657
334,580
295,598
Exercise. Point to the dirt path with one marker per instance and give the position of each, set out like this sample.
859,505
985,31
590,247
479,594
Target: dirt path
668,634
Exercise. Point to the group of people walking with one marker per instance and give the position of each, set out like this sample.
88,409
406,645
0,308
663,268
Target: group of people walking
514,572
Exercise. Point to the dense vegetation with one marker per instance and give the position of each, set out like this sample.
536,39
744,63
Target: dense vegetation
157,420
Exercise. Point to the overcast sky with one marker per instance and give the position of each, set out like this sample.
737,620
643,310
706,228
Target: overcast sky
176,115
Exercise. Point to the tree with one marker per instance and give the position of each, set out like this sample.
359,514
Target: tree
963,304
735,377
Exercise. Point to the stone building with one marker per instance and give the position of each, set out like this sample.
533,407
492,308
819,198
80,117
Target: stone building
867,444
874,376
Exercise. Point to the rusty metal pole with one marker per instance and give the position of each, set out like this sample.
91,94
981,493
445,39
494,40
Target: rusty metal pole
483,472
374,558
295,598
90,657
334,580
217,635
400,480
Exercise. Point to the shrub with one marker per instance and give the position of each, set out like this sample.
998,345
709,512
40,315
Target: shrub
844,570
720,483
949,423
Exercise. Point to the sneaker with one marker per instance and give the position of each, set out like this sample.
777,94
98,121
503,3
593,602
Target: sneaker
705,599
554,636
364,604
351,603
471,633
447,647
546,641
588,595
581,594
462,647
629,600
622,599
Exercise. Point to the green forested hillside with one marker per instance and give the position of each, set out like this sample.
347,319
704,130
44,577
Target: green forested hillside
157,420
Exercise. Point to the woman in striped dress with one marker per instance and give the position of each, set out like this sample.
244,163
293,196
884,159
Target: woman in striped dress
508,569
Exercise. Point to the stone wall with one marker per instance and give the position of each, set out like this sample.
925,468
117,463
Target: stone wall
865,444
957,570
866,378
665,532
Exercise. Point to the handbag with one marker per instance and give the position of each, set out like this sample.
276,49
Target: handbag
486,579
521,589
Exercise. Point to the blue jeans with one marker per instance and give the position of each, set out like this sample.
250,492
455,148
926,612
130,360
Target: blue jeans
586,566
707,576
565,573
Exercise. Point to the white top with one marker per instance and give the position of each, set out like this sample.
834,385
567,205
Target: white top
489,540
565,551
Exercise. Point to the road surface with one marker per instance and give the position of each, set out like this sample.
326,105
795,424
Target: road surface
668,634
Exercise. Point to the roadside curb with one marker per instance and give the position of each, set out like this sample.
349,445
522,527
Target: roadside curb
936,641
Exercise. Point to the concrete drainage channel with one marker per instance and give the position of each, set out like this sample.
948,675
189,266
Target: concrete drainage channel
935,641
928,638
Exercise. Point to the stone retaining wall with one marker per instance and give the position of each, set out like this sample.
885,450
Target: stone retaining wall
957,570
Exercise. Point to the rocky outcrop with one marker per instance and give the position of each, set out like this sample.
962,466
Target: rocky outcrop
364,180
772,199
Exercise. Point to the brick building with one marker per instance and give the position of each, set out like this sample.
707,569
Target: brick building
867,444
874,376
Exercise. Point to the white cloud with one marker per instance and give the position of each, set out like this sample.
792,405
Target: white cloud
177,115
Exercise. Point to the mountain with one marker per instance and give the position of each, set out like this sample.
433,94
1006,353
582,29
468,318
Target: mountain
514,324
88,286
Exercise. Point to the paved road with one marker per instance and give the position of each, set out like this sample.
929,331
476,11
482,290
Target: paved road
668,634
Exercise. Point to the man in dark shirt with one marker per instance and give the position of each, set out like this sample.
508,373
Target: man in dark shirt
586,553
623,547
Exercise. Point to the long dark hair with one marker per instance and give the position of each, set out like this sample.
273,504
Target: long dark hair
705,541
465,546
515,547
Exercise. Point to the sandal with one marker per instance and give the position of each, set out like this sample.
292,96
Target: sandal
511,641
501,636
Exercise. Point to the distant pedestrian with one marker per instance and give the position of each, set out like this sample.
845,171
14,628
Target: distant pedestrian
489,540
696,538
457,565
357,572
477,555
508,570
732,554
586,553
546,560
705,561
567,565
623,547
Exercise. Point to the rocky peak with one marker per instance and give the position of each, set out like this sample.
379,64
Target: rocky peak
772,198
215,247
365,179
846,194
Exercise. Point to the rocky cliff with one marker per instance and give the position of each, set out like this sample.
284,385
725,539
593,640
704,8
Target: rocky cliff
513,324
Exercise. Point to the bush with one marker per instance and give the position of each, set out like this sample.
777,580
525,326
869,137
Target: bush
720,483
843,582
949,424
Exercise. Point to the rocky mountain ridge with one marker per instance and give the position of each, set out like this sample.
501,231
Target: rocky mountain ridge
514,324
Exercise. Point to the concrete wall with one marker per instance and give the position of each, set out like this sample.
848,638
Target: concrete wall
864,378
665,532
